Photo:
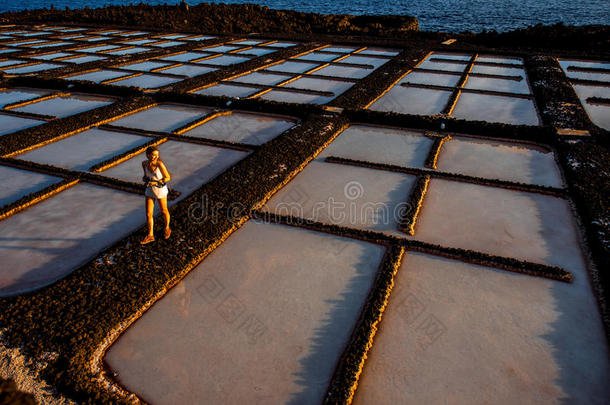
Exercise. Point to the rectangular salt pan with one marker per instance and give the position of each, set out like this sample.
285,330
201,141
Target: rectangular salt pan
344,72
188,70
320,56
224,60
500,160
146,66
365,60
380,145
163,118
498,70
527,226
10,124
499,59
565,64
199,38
256,51
10,96
32,68
51,239
284,96
595,76
84,59
262,78
184,57
146,81
501,85
452,56
83,150
140,41
482,327
339,49
228,90
290,341
18,183
307,83
128,51
220,48
282,44
355,197
249,42
174,36
168,44
244,128
99,75
599,113
379,52
50,44
442,66
100,48
65,106
292,67
50,56
412,100
433,79
492,108
11,62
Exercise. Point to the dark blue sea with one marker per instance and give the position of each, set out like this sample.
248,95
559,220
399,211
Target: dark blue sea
433,15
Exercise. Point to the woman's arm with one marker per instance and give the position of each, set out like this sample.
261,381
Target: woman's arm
145,177
166,176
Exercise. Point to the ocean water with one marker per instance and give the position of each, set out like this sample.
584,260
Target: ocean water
433,15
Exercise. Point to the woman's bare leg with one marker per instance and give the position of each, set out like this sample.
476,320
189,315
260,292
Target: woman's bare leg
150,206
165,211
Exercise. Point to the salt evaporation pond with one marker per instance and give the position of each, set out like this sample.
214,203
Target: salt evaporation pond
184,57
98,76
344,71
188,70
497,84
263,319
432,79
598,112
85,149
162,118
319,56
65,106
190,165
241,127
10,96
494,108
145,66
412,100
309,83
286,96
84,59
224,60
528,226
51,239
268,79
230,90
292,67
10,123
516,162
350,196
18,183
381,145
471,327
146,81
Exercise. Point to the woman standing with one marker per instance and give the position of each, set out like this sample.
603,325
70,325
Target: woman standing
155,177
